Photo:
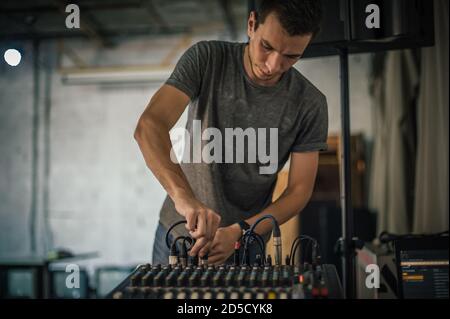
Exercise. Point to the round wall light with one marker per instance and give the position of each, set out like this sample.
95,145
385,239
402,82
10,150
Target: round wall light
12,57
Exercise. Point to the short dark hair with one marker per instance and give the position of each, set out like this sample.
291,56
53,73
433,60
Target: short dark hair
297,17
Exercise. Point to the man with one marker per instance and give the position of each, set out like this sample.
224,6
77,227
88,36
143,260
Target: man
238,85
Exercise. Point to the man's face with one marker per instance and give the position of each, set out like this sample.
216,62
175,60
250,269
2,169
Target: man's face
272,50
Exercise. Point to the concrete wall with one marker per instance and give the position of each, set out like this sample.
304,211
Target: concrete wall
101,197
16,113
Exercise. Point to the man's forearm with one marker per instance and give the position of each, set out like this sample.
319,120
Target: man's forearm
154,142
153,138
290,203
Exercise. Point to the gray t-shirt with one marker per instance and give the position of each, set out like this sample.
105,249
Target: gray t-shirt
222,96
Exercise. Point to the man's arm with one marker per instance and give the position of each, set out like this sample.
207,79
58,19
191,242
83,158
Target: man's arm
302,175
152,136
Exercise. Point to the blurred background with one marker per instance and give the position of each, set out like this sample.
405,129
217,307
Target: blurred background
73,182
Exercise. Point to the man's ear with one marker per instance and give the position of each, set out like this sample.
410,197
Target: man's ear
251,25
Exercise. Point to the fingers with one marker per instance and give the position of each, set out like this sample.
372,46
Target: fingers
215,223
202,224
191,220
207,224
215,244
200,229
217,259
206,249
212,224
208,233
199,244
215,249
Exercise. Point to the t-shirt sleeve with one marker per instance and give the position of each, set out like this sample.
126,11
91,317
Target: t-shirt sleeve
313,132
189,70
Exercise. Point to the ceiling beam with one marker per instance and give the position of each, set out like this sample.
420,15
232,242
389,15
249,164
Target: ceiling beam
71,54
103,5
154,13
182,45
88,25
109,33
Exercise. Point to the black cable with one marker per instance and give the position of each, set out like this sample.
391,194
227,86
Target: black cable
275,229
305,252
294,247
191,243
260,242
296,243
174,247
315,247
170,229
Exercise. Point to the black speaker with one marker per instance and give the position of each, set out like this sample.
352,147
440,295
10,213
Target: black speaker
334,28
407,19
402,24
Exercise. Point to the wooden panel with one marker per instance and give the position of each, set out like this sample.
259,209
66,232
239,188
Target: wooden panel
327,185
290,229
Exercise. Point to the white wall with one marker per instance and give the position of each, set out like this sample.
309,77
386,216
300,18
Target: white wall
324,73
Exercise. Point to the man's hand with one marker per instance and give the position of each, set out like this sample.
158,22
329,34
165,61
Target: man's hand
223,244
202,223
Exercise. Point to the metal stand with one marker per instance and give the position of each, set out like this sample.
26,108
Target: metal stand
348,242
